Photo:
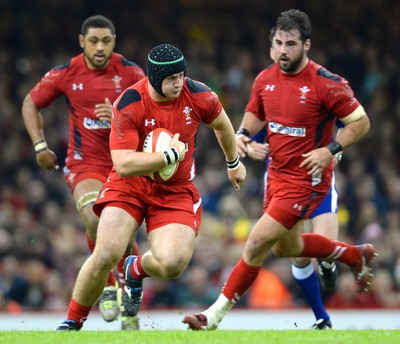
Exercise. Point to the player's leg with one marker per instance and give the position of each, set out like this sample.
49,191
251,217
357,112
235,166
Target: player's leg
128,323
173,218
266,232
305,277
324,221
171,248
327,224
115,229
85,195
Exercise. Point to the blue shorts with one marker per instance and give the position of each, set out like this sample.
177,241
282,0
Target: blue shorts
330,202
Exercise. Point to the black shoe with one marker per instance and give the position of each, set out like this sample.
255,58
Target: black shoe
68,325
322,324
133,290
328,275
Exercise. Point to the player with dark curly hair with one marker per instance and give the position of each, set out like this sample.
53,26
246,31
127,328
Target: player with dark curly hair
299,101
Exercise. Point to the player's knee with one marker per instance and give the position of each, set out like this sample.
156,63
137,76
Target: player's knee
277,251
173,267
281,251
286,249
106,258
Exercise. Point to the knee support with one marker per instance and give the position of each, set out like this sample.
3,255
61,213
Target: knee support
86,200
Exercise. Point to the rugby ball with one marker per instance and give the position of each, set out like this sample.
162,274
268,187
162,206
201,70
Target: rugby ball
158,141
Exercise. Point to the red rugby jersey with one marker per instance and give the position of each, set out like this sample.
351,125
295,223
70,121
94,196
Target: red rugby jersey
83,89
300,111
136,114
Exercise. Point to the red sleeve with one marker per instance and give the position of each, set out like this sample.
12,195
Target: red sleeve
338,97
123,133
48,88
255,104
214,108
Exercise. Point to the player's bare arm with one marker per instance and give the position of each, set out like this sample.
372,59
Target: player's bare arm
226,137
130,163
357,125
33,120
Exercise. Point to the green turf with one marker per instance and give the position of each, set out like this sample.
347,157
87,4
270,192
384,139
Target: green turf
203,337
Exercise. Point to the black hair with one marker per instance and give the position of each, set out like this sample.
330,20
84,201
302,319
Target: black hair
97,21
293,20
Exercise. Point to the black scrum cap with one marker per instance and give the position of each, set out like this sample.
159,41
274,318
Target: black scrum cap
164,60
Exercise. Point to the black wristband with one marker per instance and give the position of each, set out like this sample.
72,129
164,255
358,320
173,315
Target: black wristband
243,131
334,147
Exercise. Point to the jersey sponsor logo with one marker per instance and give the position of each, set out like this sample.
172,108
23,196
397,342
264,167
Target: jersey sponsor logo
90,123
186,111
285,130
77,87
269,87
149,122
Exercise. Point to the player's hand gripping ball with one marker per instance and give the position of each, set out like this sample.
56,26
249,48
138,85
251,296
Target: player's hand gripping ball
158,141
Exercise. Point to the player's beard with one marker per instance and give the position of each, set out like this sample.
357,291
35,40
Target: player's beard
98,65
291,66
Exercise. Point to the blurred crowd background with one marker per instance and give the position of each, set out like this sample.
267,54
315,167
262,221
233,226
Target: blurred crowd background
42,238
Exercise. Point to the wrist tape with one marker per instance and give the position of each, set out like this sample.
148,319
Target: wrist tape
171,156
234,164
40,146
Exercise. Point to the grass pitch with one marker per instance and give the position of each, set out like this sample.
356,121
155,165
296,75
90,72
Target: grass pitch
203,337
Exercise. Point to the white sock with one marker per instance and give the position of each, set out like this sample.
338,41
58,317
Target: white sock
216,312
302,273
